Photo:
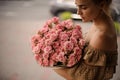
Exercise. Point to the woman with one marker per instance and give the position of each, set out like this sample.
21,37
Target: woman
100,52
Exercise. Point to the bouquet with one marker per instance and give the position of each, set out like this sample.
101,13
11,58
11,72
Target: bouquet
58,43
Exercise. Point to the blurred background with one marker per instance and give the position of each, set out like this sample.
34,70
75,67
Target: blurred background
20,19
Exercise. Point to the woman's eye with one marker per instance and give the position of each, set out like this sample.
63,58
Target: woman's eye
84,7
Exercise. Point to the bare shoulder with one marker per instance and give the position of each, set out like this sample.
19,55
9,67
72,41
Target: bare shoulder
101,40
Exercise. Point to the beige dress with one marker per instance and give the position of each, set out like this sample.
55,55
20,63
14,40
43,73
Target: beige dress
95,65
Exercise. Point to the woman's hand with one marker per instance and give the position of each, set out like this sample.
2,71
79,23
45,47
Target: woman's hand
64,73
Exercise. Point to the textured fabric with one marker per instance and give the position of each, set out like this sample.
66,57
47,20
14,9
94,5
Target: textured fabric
97,57
95,65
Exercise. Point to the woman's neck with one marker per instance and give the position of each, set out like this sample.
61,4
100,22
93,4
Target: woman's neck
102,21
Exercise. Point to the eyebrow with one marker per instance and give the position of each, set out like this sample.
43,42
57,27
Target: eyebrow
81,5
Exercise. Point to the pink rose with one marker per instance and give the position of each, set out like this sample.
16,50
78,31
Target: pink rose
56,45
68,46
69,33
63,23
69,24
78,27
45,62
52,31
48,42
58,31
61,57
53,36
71,60
40,61
42,44
35,39
44,29
73,40
48,49
55,20
62,43
71,63
59,27
58,50
49,22
77,34
78,53
37,56
45,55
36,49
82,42
47,36
63,36
53,57
77,50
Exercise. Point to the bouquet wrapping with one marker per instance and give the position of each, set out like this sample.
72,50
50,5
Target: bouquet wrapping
58,43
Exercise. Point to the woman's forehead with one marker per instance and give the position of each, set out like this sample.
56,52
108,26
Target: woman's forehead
79,2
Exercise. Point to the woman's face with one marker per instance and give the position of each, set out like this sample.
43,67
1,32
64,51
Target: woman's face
87,10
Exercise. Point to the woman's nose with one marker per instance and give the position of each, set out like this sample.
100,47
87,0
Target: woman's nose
79,12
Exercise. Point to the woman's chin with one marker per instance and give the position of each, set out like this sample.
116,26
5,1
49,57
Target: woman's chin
83,20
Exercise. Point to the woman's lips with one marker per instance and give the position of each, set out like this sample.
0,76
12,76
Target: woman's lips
81,16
